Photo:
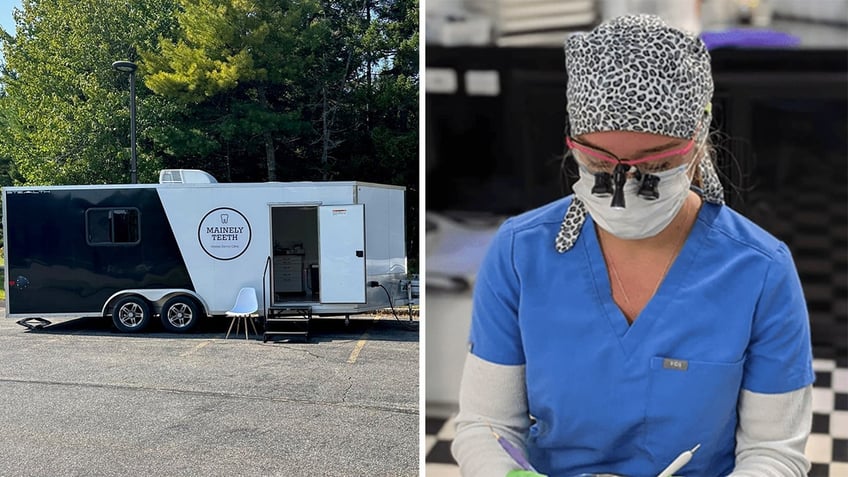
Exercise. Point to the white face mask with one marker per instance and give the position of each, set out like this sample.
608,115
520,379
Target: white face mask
640,218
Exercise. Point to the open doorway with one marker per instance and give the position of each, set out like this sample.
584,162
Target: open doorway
295,254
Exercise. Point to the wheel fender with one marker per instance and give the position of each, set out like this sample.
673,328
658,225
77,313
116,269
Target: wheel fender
155,297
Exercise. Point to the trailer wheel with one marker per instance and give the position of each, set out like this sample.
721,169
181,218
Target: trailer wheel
131,314
180,314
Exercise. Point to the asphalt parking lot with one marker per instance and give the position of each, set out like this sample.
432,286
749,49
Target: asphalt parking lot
82,399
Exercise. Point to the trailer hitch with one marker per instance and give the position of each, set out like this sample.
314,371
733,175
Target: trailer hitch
39,323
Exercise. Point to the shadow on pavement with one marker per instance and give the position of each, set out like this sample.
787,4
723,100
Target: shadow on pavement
321,329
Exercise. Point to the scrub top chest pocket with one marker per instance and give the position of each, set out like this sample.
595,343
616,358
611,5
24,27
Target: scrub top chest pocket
692,402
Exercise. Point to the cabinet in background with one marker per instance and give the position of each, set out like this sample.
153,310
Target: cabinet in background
288,274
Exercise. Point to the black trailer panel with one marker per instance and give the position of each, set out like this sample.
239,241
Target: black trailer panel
69,250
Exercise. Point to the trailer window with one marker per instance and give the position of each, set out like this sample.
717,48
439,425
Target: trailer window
112,226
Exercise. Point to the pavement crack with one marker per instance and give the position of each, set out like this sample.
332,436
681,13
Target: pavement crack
310,353
349,387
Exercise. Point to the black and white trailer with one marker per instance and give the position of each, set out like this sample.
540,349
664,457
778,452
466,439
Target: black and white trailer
182,250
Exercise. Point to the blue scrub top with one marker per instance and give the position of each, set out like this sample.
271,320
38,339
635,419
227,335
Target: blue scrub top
607,396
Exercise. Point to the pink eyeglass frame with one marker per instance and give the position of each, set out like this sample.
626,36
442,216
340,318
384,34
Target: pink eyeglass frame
572,144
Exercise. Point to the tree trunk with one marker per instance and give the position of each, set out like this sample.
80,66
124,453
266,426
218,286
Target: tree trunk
229,169
368,70
325,136
270,157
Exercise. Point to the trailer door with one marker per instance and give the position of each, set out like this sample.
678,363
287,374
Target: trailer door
341,237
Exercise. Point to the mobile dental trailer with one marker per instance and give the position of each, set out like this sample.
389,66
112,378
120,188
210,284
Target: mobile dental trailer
182,249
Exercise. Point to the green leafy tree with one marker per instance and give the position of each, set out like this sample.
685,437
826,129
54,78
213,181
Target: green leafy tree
395,133
65,110
382,105
237,66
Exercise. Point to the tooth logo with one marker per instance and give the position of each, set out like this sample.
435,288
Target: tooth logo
224,233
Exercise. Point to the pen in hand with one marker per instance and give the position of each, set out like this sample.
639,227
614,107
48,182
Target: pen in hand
513,451
679,462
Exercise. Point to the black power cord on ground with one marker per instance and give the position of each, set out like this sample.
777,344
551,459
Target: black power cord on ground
409,324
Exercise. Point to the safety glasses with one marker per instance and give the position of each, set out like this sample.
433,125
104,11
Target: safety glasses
611,159
611,172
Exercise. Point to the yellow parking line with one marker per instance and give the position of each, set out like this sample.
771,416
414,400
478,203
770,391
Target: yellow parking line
356,349
195,349
359,345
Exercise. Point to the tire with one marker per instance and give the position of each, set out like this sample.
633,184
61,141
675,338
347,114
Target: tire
131,314
180,314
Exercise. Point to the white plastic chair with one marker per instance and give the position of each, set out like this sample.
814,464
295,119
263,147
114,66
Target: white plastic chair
245,308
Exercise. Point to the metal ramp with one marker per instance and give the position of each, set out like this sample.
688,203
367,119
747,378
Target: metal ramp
287,322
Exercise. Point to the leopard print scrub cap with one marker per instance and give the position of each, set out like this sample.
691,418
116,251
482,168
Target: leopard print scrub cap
636,73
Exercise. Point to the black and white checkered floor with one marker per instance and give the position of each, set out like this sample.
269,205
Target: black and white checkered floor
827,447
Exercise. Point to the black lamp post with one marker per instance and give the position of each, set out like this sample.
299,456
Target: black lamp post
130,67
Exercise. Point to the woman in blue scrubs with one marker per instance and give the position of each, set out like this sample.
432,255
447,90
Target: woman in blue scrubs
639,317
